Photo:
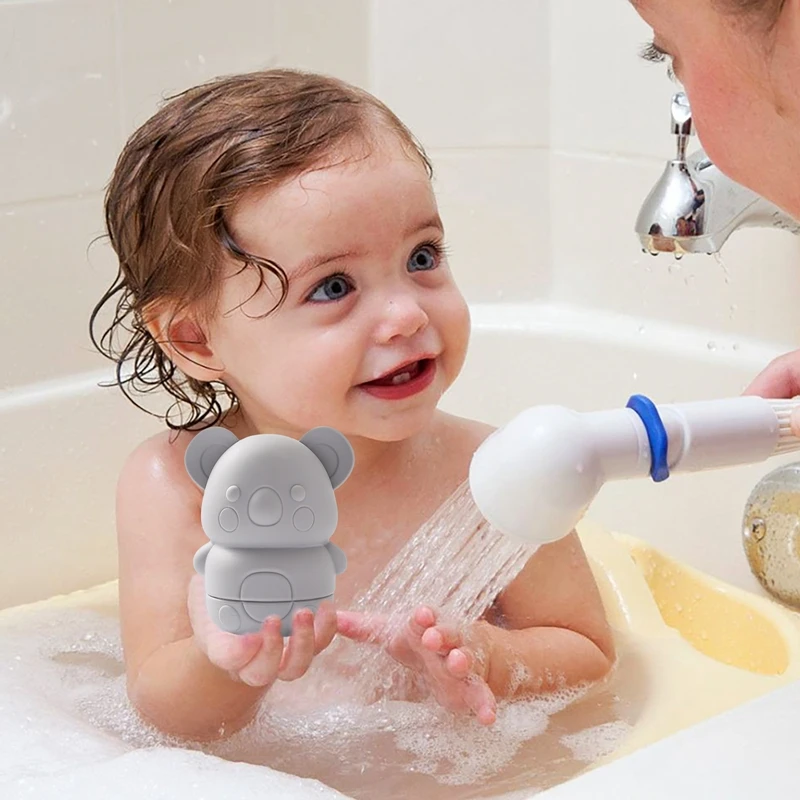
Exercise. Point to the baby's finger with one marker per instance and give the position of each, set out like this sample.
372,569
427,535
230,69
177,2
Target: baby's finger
459,663
297,656
421,620
229,651
441,639
262,670
324,626
360,627
481,700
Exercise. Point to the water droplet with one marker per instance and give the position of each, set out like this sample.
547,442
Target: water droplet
712,345
678,256
726,274
642,329
736,346
635,376
756,530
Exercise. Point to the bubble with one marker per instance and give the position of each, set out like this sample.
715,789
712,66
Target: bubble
598,742
66,714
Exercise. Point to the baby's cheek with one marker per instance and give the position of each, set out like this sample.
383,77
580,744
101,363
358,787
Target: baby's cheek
455,330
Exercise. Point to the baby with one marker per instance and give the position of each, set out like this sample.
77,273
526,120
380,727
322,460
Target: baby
282,267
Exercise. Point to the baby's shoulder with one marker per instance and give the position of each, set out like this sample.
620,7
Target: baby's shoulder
155,470
462,435
455,441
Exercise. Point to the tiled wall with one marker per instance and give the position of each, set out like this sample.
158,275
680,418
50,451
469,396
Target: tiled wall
610,138
546,133
471,79
76,78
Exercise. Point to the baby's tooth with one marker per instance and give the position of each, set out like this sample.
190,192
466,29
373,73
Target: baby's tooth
403,377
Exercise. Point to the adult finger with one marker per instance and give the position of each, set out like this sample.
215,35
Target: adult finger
780,379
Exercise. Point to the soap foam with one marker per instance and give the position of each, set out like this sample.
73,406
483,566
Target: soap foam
68,730
592,744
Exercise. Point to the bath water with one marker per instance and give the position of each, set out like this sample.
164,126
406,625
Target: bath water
68,729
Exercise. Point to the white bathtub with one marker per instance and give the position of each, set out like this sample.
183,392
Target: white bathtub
63,444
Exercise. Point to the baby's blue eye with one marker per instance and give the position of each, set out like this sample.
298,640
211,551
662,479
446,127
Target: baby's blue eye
334,288
423,258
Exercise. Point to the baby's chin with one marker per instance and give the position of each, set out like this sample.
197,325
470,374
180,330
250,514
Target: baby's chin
395,426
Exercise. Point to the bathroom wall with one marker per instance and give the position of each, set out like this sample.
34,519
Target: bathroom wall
546,133
610,136
546,144
76,78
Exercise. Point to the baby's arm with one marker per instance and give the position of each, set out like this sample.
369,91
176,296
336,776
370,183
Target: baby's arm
186,675
554,625
172,683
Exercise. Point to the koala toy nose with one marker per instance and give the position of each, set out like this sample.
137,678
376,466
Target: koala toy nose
265,507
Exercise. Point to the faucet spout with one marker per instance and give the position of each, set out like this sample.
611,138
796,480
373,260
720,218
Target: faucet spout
694,207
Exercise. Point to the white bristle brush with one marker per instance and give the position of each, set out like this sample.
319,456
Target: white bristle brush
534,478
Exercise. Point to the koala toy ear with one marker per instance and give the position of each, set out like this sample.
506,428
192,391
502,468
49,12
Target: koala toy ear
205,450
333,450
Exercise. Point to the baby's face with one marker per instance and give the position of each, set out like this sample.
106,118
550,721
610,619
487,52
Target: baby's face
369,291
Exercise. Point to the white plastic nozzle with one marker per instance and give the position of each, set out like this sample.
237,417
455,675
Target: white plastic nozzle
534,478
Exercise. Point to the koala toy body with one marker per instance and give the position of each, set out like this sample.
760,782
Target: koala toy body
269,511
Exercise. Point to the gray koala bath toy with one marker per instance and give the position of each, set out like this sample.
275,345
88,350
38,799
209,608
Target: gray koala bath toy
269,511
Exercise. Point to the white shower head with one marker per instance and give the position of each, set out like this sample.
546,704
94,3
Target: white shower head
534,478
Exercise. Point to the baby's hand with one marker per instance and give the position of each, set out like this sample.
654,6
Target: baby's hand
438,653
259,659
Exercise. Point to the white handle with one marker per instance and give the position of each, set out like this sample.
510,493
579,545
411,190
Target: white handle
720,433
535,477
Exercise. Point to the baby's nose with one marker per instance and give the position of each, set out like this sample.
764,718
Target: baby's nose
403,316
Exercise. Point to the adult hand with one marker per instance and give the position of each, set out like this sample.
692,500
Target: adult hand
780,380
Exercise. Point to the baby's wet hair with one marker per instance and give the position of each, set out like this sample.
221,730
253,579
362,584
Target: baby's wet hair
168,206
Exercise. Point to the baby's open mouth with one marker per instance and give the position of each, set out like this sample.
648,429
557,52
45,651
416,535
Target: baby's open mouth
404,374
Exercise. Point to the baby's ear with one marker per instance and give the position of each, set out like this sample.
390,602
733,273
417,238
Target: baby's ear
204,451
333,450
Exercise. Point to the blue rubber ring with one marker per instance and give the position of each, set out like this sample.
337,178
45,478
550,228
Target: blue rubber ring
656,435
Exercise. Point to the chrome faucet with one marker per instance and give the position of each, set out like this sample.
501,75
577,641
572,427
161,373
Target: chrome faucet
694,207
